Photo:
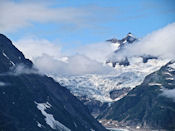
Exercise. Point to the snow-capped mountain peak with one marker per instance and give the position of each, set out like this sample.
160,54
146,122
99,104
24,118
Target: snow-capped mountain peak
129,39
117,44
130,34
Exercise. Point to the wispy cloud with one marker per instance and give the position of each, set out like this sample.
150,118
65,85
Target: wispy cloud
22,69
16,15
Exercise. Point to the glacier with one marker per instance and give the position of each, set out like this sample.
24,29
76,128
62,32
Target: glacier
99,86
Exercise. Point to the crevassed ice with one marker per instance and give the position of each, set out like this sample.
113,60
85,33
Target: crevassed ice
98,86
54,124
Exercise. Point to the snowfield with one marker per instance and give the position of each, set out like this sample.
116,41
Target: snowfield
54,124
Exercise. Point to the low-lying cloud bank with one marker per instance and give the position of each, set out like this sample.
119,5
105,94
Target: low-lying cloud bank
22,69
48,58
158,43
75,65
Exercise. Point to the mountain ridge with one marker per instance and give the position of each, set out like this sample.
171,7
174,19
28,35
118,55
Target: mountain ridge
30,101
145,106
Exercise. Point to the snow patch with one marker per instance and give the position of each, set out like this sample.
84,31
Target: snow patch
39,125
8,58
2,83
5,55
54,124
169,78
12,63
154,84
167,73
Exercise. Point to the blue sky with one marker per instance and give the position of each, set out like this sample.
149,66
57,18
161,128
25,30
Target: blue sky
84,22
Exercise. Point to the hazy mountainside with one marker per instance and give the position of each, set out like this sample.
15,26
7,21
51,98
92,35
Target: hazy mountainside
149,105
96,89
30,101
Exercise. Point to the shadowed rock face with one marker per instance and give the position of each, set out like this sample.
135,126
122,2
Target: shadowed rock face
9,55
118,93
95,107
147,105
34,102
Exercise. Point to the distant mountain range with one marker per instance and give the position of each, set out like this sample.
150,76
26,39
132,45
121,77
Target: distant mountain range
30,101
139,95
97,91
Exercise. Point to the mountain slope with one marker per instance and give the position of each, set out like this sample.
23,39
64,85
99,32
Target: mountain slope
148,105
101,89
30,101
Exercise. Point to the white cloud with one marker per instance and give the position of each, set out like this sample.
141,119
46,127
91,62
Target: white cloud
96,51
169,93
22,69
33,48
75,65
48,58
17,15
159,43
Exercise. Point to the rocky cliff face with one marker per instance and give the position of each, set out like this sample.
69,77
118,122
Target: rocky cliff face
149,105
31,101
